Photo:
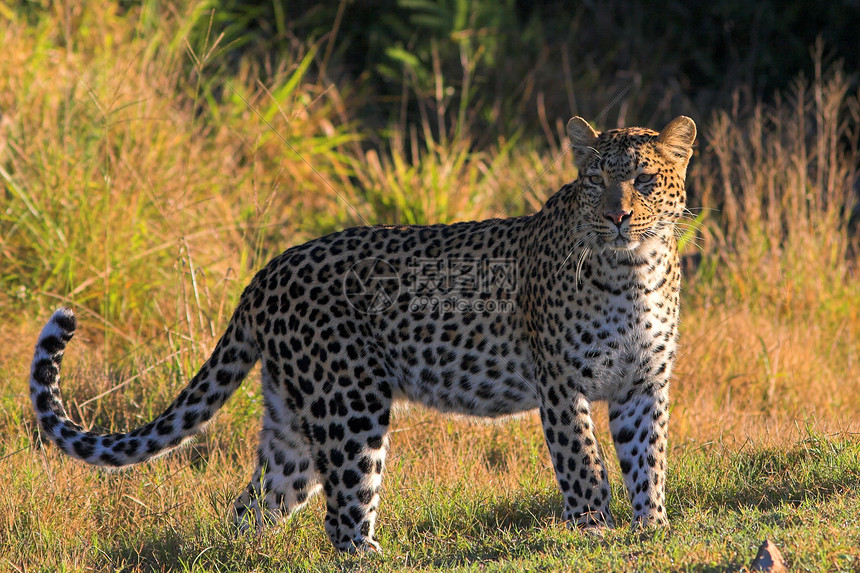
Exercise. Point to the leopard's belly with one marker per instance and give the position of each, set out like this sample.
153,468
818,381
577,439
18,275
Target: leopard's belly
480,374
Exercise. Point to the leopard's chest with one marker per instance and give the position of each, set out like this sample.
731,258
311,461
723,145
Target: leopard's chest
618,332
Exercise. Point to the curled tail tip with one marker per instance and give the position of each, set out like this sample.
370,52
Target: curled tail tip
64,318
57,332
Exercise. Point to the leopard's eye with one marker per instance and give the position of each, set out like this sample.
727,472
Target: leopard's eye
595,179
644,178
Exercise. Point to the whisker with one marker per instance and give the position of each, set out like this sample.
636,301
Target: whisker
576,246
564,262
578,274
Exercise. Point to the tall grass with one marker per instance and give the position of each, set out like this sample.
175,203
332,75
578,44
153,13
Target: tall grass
129,162
772,323
783,176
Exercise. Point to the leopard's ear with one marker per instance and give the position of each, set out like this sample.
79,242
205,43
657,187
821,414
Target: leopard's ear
676,139
582,138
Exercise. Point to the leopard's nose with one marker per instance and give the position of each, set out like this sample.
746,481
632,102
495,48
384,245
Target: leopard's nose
618,217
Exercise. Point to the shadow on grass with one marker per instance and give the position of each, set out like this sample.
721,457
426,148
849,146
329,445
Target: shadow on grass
512,529
767,479
204,550
164,551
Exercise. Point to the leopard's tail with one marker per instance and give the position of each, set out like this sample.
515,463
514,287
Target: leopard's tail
234,355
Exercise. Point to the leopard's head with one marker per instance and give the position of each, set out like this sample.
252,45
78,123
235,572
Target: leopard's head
630,184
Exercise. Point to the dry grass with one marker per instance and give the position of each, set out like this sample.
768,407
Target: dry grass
771,321
143,181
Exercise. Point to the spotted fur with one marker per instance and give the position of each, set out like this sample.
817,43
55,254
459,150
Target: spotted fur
591,315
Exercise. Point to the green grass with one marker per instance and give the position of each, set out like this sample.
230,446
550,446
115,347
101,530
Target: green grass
457,495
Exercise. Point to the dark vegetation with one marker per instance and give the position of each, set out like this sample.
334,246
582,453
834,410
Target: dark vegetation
516,64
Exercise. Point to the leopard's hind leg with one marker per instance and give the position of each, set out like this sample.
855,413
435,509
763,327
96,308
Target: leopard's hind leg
352,459
285,477
283,482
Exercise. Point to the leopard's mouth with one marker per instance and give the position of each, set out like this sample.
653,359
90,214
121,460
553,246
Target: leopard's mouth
620,241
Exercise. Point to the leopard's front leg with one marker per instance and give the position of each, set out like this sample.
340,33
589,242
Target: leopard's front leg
639,424
580,472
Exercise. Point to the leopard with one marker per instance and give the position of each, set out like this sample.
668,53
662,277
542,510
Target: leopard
556,310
